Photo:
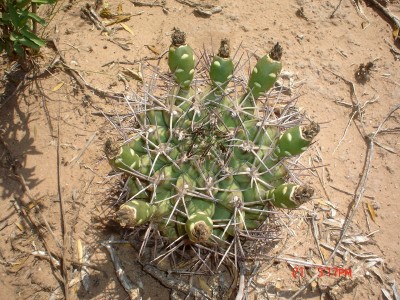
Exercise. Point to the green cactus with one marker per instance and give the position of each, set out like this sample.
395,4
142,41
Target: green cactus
221,70
210,164
265,73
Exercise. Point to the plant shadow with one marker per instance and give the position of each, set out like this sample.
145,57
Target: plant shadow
16,139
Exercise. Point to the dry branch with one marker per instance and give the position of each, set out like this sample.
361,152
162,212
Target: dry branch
205,10
92,15
386,12
133,290
174,283
162,4
64,230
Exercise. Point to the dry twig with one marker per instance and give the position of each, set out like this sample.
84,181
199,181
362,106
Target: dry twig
357,7
205,10
79,155
174,283
357,108
92,15
336,9
62,212
240,293
133,290
386,12
161,4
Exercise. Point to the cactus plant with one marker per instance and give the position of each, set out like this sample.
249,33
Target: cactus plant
205,163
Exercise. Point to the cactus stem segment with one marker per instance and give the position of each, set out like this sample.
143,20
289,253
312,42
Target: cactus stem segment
181,60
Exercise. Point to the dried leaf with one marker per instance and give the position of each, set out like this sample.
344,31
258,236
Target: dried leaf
44,254
127,28
325,203
326,254
314,286
395,32
119,9
83,258
370,262
17,265
106,13
205,286
119,19
137,75
334,223
278,285
57,87
80,250
73,281
395,291
20,226
377,273
358,239
31,205
154,49
386,293
371,211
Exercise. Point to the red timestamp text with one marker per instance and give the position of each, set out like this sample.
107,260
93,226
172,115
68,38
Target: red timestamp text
299,271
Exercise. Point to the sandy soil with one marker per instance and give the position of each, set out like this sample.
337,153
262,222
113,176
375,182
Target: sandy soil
51,114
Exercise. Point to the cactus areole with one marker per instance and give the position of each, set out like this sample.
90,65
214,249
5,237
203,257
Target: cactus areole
205,163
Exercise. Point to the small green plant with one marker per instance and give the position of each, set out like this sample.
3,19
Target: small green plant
207,163
17,23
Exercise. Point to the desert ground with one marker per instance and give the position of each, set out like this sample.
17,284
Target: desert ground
55,180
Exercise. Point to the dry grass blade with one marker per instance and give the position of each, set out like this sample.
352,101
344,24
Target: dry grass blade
79,155
241,288
64,230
